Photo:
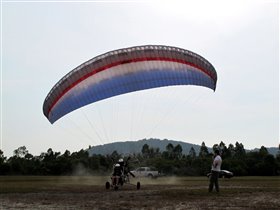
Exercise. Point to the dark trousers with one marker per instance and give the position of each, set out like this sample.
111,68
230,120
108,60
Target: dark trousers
214,181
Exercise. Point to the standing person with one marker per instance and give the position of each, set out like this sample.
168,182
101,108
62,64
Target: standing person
215,170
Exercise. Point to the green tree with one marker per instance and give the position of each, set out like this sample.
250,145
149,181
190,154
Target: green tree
21,162
278,161
263,151
239,151
169,147
177,151
192,153
65,163
145,150
169,152
20,152
4,167
231,150
2,157
115,156
216,147
226,153
270,165
51,163
203,152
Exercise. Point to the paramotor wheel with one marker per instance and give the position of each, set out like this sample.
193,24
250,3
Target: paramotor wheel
138,185
107,185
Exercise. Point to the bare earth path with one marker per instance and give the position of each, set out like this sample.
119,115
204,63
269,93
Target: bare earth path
162,193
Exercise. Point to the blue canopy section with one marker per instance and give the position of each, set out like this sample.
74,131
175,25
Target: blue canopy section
128,83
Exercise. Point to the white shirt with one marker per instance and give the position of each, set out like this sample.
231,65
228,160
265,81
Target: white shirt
217,162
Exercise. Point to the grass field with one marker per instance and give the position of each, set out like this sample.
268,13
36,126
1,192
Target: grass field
88,192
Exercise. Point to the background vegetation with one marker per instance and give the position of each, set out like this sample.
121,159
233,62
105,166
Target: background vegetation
169,162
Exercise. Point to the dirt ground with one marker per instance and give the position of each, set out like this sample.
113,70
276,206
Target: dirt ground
163,193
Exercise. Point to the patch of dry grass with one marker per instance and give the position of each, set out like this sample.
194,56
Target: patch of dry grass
88,192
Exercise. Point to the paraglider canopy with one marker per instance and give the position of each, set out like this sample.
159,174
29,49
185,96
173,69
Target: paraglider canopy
126,70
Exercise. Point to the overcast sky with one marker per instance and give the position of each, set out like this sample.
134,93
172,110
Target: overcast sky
43,41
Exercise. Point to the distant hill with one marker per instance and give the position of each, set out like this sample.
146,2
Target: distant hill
273,150
130,147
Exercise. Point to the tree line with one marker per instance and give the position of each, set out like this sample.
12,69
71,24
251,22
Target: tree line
169,162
